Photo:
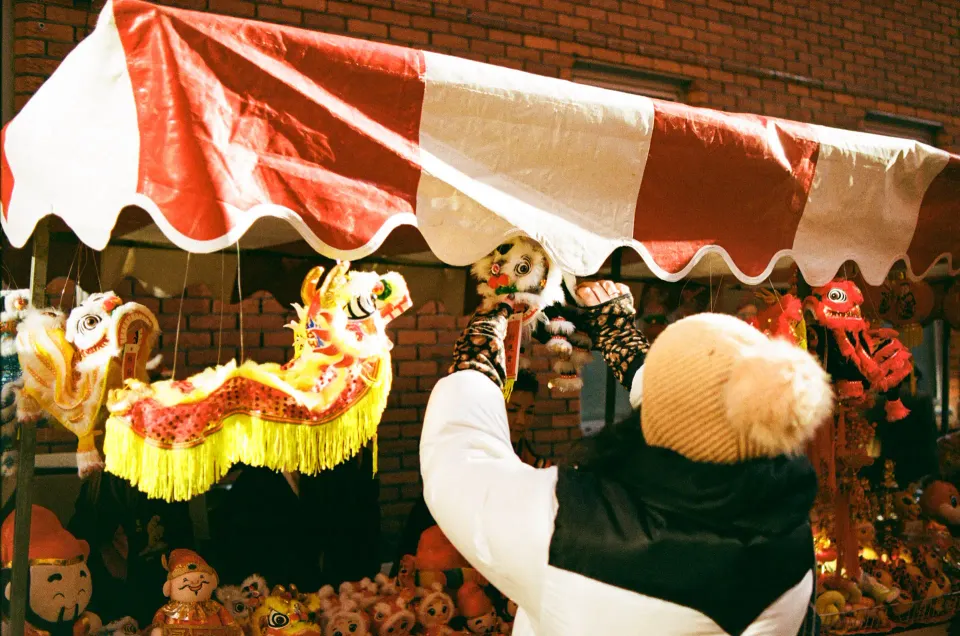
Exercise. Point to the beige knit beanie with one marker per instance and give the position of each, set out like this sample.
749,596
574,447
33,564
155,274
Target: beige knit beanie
717,390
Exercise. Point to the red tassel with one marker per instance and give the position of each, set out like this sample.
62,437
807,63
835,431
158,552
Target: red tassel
895,410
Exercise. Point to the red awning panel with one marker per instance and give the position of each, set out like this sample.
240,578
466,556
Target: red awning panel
211,123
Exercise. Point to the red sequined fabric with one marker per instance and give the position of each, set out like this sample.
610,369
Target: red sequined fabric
186,425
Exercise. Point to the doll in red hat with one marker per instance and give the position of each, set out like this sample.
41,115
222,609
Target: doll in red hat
59,581
478,609
190,586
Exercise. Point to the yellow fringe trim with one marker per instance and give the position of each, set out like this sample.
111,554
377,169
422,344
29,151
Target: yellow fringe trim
180,474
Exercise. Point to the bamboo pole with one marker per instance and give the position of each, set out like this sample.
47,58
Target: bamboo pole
28,444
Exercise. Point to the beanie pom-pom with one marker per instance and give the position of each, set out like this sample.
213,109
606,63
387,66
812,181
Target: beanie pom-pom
777,396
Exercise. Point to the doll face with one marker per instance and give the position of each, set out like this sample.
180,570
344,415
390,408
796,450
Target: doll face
193,587
520,410
483,624
347,623
436,609
59,592
906,506
390,621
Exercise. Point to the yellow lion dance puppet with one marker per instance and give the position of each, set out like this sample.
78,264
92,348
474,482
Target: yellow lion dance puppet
70,364
175,439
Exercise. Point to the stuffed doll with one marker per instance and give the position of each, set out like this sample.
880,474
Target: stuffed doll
345,618
477,608
365,593
392,616
386,585
434,607
125,626
437,561
940,501
521,272
59,579
254,590
233,600
190,585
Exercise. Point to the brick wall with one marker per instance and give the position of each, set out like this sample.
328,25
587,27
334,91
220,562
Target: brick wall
808,60
423,349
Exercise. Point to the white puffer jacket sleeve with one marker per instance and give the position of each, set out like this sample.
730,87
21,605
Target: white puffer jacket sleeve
496,510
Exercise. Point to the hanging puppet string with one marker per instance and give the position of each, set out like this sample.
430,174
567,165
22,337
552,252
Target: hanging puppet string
96,269
63,288
240,293
223,262
176,339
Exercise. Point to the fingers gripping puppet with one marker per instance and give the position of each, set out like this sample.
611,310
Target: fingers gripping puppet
175,439
71,363
521,274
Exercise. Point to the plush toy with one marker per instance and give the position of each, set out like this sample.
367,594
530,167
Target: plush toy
437,561
434,607
386,585
59,585
940,501
233,600
175,439
254,589
477,608
190,585
365,592
392,616
126,626
345,618
283,613
521,271
70,364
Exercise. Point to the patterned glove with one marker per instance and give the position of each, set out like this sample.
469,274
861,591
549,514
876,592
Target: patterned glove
480,346
613,328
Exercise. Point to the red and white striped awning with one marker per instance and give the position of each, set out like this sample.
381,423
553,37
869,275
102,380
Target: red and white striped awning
210,123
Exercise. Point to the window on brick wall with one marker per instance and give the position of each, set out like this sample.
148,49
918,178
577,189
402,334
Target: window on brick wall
880,123
630,80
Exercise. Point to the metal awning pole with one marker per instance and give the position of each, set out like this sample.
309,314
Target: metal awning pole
28,448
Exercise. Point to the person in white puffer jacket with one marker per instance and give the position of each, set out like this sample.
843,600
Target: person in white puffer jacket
698,525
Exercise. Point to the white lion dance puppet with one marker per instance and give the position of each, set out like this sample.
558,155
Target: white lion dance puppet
521,270
70,364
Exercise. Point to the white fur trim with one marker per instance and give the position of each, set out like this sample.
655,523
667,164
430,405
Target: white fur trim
560,326
88,463
636,389
560,346
777,396
566,384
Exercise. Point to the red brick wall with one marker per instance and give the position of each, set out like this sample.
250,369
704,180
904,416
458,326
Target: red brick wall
423,349
809,60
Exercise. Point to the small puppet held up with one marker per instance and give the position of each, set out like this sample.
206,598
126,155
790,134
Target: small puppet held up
520,273
59,580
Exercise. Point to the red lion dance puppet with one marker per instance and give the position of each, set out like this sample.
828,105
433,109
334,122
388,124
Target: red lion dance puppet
864,363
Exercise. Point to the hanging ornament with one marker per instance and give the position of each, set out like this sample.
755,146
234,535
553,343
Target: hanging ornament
71,363
906,304
175,439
